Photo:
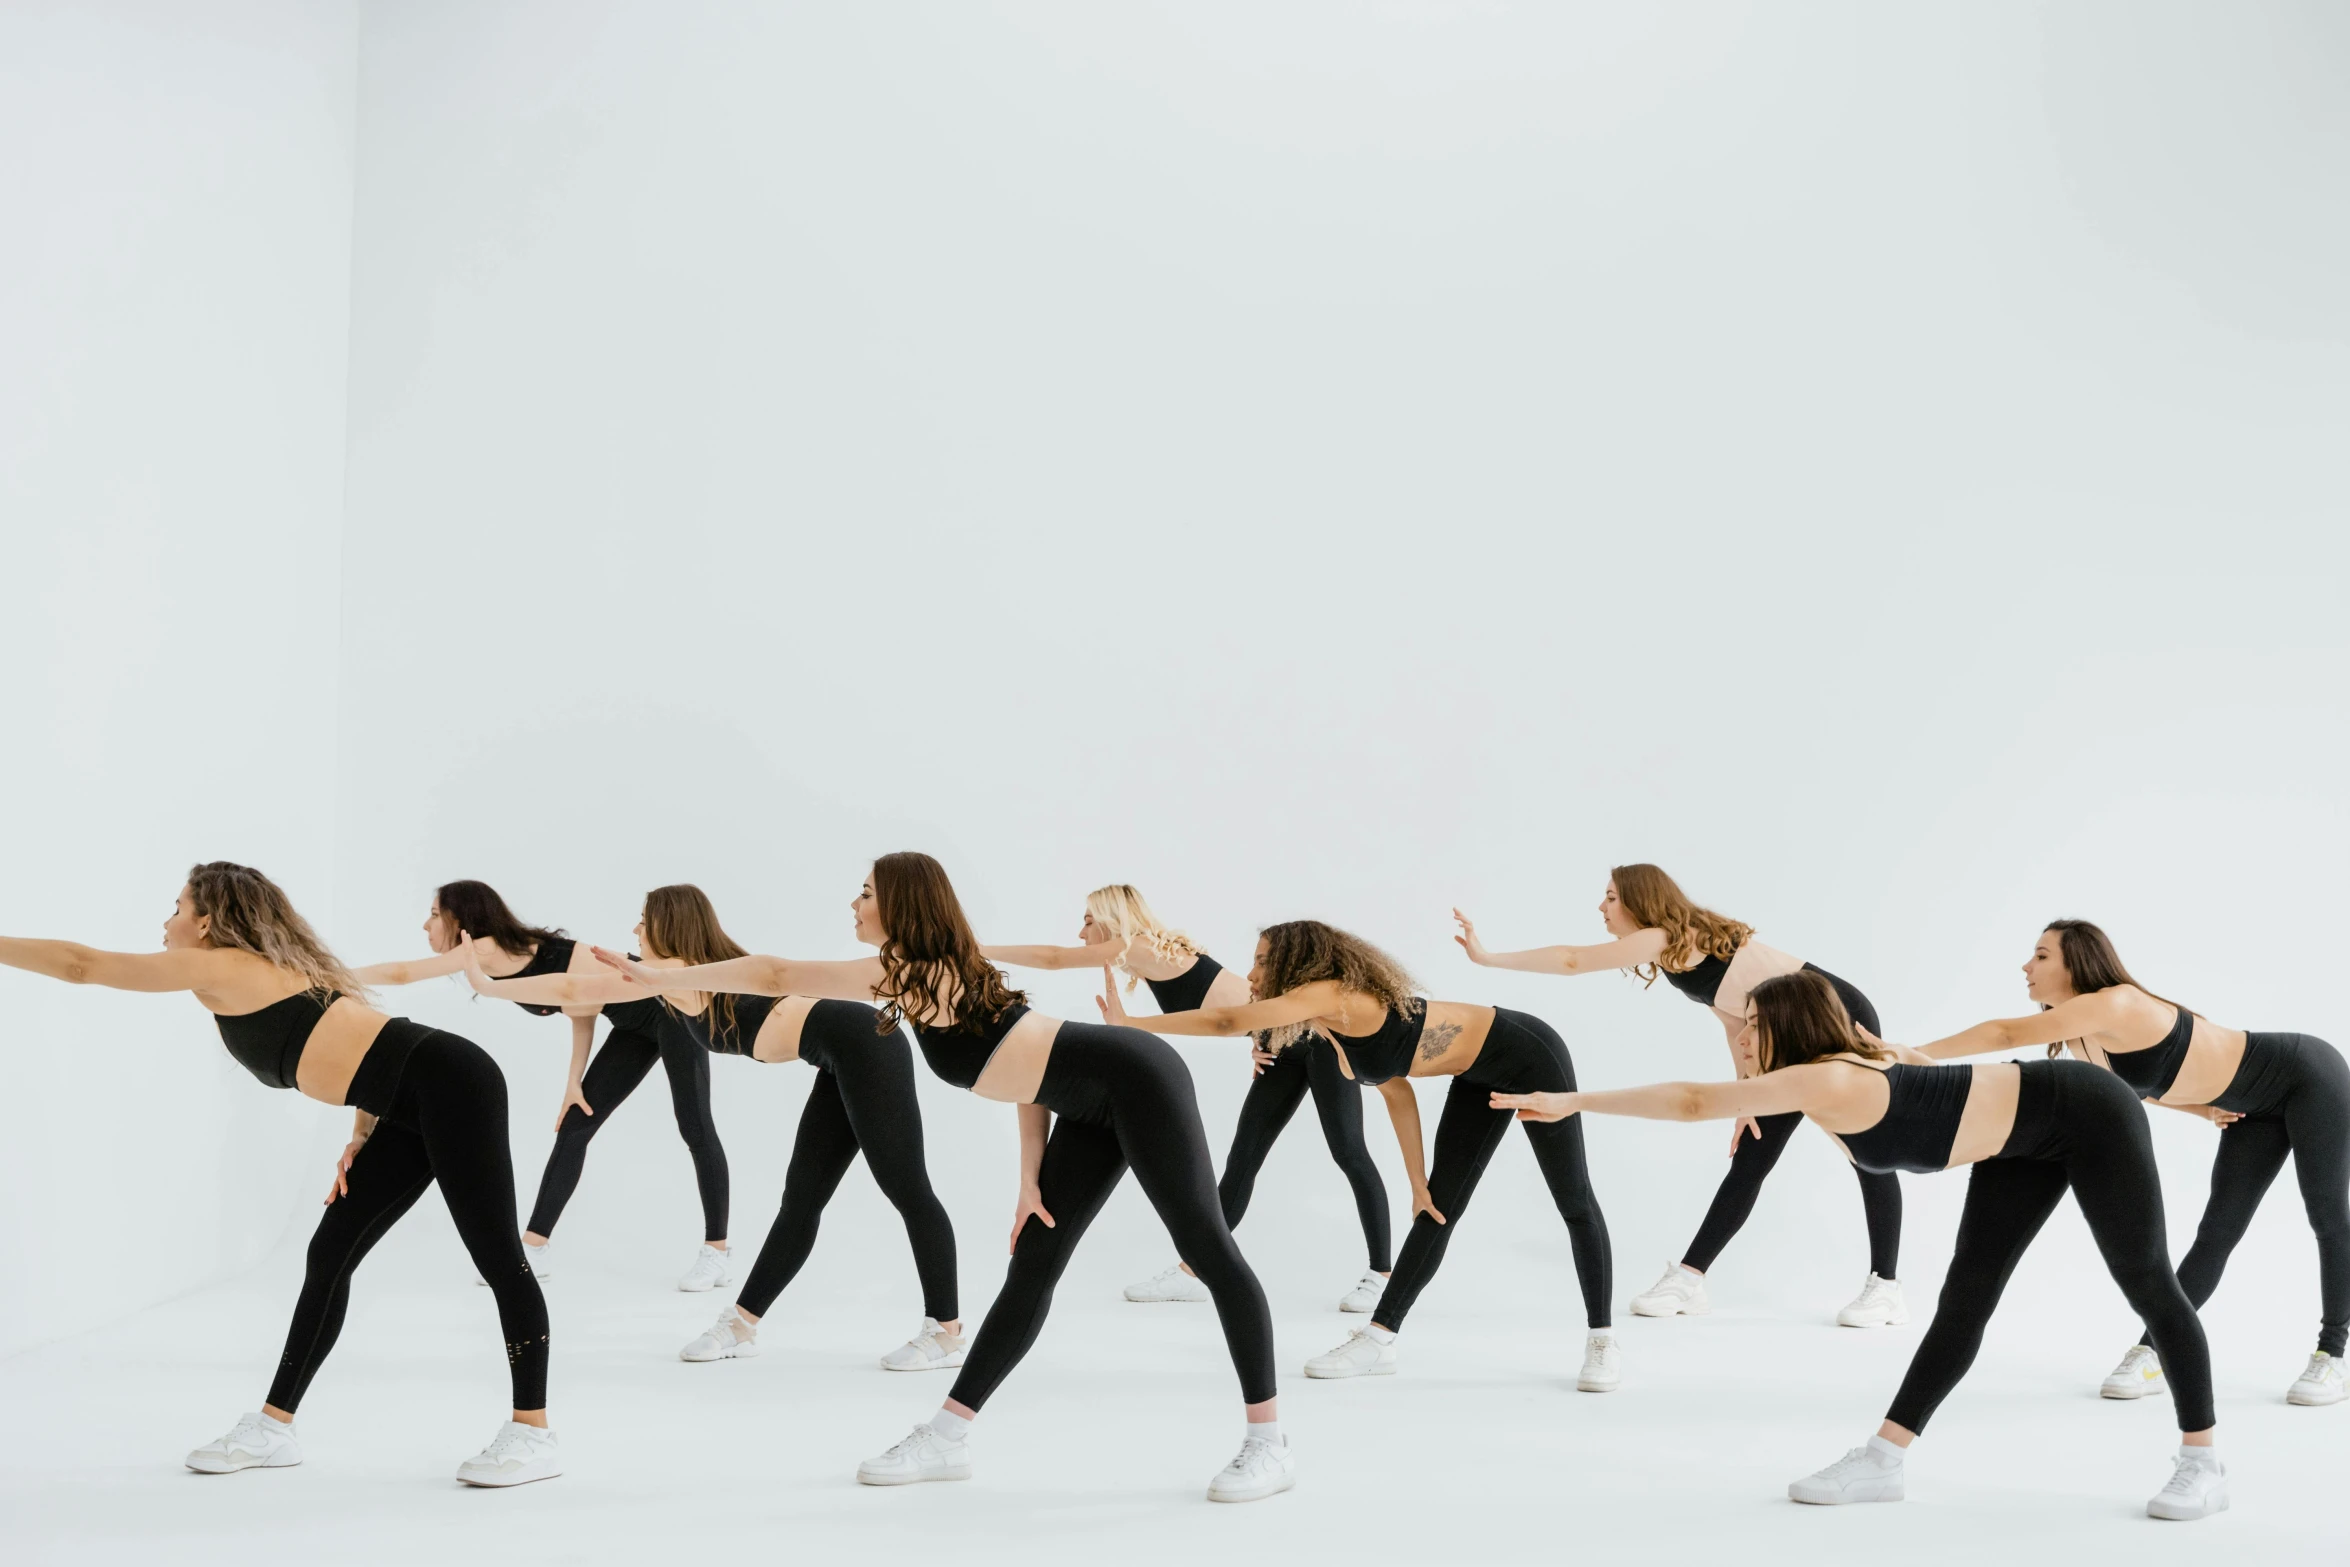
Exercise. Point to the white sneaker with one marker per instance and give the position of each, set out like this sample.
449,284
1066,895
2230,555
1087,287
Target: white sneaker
1878,1305
923,1455
254,1442
1263,1469
2322,1383
1603,1364
1360,1356
1863,1475
2198,1488
932,1349
1364,1297
1172,1285
1678,1293
2139,1374
517,1455
711,1268
540,1258
729,1338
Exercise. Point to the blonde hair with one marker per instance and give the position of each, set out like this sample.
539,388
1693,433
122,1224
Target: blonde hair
1121,909
251,913
1691,933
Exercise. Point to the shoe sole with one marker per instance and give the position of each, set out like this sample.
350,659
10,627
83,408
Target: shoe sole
684,1288
1287,1482
739,1352
2218,1504
1341,1376
1166,1300
1880,1322
947,1364
2127,1393
2312,1403
501,1482
230,1469
1359,1311
868,1479
1582,1386
1639,1310
1893,1495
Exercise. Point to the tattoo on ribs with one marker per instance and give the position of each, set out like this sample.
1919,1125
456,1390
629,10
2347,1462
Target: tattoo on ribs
1437,1038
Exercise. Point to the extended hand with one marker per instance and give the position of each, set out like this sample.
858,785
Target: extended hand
1536,1107
648,977
1113,1010
475,974
1467,937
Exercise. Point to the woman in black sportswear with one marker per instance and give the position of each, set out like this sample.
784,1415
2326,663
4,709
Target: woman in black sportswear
1121,932
862,1102
1714,961
593,1089
430,1107
2030,1131
1313,976
1121,1098
2271,1095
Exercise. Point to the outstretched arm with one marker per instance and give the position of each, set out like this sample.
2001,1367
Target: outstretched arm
408,971
1319,999
550,990
182,968
1643,946
854,980
1403,1112
2075,1019
1773,1093
1099,955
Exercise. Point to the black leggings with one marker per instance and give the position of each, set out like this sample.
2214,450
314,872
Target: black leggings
628,1054
863,1101
1880,1193
2293,1092
1121,1097
2076,1125
1522,1055
1310,1064
441,1118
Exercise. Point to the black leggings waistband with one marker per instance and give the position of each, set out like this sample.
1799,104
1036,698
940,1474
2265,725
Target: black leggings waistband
376,1085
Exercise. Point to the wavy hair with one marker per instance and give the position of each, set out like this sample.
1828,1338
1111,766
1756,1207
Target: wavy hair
1799,1018
1299,952
681,922
1691,933
1121,909
477,910
251,913
2093,963
930,962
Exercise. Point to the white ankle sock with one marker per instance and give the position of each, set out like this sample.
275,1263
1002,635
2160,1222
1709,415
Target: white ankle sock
950,1426
1380,1335
1887,1451
1265,1431
2202,1455
282,1425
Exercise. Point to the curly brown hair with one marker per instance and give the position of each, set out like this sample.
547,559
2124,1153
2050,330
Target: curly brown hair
930,962
1691,933
1299,952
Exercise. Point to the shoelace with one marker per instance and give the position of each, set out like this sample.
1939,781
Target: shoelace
1254,1444
2318,1364
256,1426
1859,1458
2181,1482
2132,1361
506,1441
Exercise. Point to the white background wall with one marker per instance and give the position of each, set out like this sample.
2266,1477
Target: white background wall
1882,464
175,220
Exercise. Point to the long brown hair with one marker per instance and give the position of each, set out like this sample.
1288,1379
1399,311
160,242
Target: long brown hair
251,913
930,962
2092,962
1799,1017
1299,952
1691,933
681,922
475,908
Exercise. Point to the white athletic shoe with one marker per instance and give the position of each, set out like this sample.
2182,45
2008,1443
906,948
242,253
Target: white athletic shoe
711,1268
1364,1297
1863,1475
729,1338
1263,1469
932,1349
1603,1364
1878,1305
2322,1383
1172,1285
254,1442
2198,1488
1360,1356
2139,1374
541,1259
517,1455
1678,1293
923,1455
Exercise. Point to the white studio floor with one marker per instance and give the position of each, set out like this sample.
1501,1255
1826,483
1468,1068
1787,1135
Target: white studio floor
1480,1449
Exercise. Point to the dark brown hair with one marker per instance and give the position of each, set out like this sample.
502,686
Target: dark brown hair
2092,962
251,913
1799,1018
681,922
478,911
1299,952
1691,933
930,962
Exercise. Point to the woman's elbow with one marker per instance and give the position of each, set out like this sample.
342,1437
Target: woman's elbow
1691,1103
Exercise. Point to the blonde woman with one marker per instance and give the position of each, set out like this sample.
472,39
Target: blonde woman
431,1107
1715,961
1120,931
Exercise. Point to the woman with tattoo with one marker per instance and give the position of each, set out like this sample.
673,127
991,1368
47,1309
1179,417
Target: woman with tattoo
1122,933
2271,1095
2030,1131
1715,961
1312,976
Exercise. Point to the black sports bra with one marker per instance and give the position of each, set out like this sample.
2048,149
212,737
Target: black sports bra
736,1039
1920,1122
2151,1071
1702,983
268,1043
1386,1054
1187,991
959,1053
552,957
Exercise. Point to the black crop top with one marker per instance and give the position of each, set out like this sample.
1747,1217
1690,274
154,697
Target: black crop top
2150,1072
1387,1053
268,1043
750,1015
1702,983
960,1053
1187,991
552,957
1920,1122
